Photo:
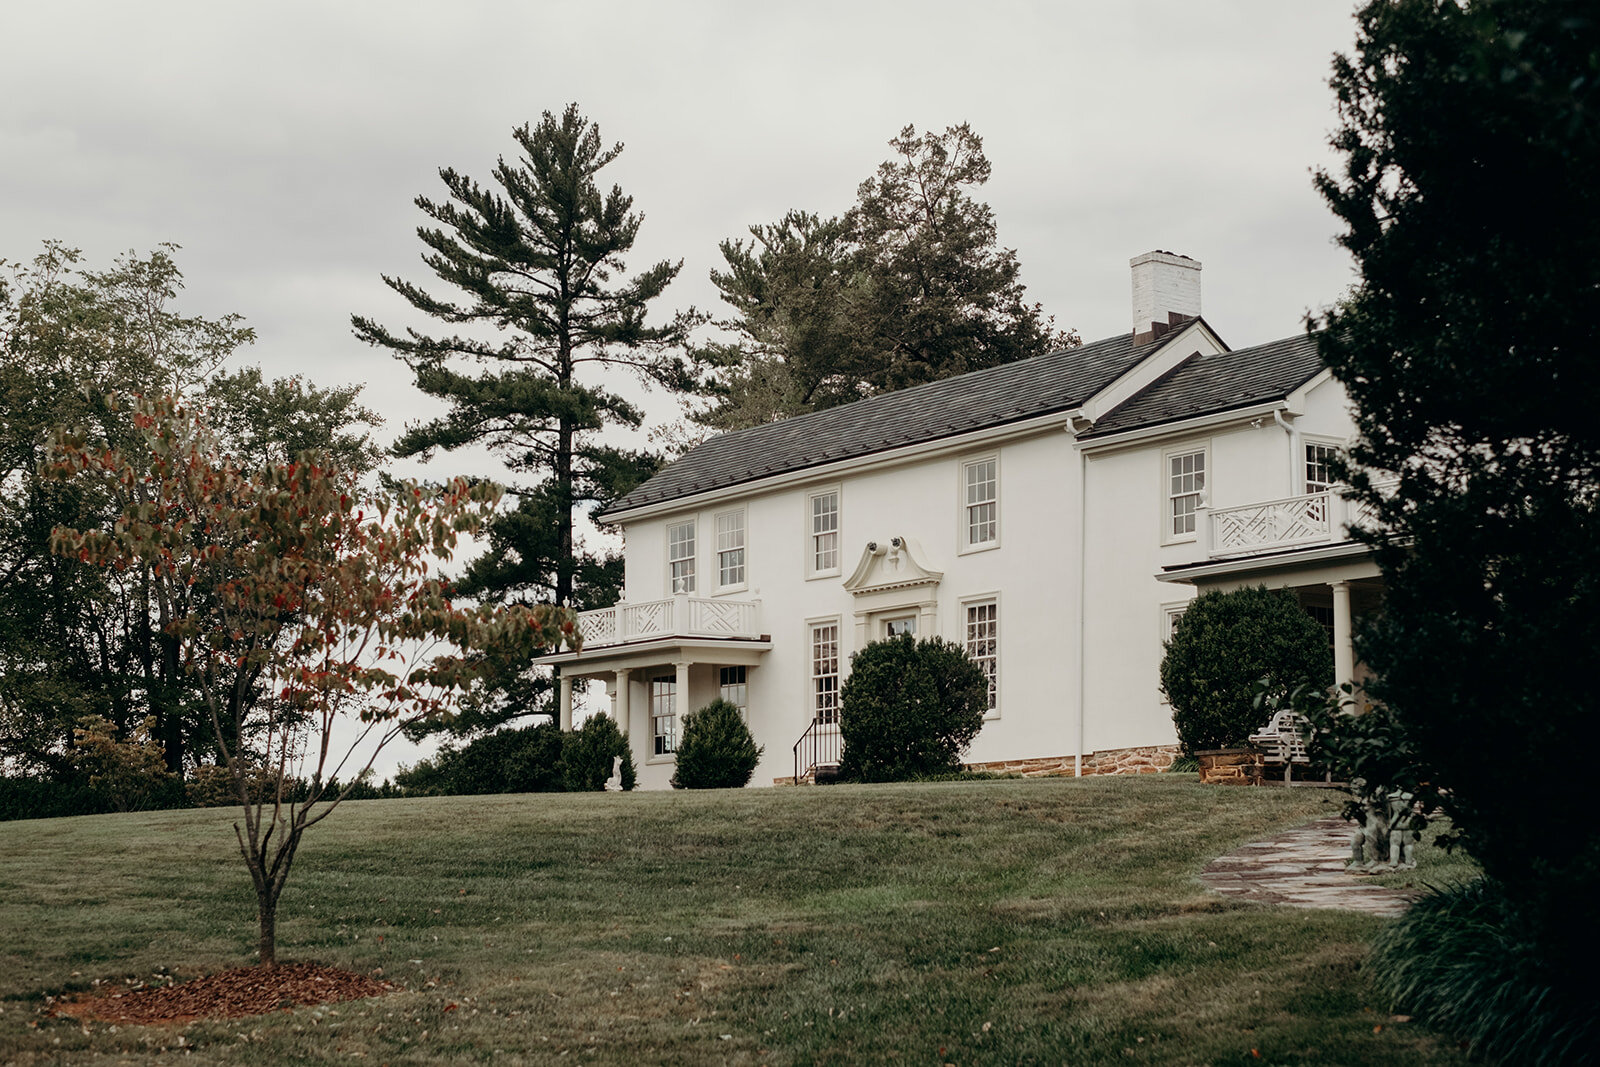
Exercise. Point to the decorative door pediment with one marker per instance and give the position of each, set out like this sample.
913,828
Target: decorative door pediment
897,563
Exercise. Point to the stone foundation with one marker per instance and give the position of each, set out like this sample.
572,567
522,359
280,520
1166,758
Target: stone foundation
1231,766
1147,759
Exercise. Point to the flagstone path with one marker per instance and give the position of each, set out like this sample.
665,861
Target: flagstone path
1302,868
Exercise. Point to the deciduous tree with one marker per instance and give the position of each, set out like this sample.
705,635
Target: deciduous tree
295,599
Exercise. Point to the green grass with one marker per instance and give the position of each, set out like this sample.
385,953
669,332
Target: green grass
1045,921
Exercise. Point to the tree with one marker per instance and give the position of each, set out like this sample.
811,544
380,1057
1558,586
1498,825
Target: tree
295,599
909,286
1223,648
533,263
716,750
909,708
1469,193
77,640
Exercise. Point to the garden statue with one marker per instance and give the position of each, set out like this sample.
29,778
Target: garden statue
614,783
1402,829
1369,845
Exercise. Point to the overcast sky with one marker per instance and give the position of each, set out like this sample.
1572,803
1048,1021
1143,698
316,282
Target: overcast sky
281,144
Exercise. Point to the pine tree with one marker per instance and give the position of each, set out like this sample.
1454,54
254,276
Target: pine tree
535,260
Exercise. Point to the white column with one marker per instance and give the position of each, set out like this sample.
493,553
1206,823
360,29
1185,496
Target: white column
566,701
624,685
1344,649
680,692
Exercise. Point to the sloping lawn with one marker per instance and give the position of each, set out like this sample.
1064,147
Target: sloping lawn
1046,921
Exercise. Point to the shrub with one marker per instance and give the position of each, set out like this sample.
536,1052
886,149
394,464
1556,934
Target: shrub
1463,961
587,754
909,709
526,760
1223,649
716,750
130,773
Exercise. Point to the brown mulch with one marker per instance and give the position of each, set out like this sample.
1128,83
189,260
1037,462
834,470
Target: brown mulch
229,995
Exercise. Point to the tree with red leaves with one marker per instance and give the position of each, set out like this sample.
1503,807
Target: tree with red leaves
298,599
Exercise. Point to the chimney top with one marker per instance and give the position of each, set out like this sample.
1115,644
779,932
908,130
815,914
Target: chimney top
1166,293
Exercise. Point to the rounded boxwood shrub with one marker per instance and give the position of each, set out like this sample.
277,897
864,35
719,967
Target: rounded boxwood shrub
909,709
716,750
1223,648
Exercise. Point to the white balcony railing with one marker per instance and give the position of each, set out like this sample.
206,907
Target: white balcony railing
1291,522
679,616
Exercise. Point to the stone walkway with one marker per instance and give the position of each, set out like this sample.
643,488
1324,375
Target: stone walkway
1303,868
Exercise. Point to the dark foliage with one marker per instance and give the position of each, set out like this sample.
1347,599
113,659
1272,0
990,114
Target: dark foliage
1225,645
524,760
1470,194
716,750
1464,959
909,709
587,756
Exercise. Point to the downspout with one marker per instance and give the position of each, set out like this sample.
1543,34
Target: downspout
1083,552
1294,448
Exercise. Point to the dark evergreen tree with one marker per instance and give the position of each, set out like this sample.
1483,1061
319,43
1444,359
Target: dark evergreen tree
535,261
1470,195
909,286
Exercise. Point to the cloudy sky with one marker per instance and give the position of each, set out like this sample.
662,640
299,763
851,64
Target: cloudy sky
281,144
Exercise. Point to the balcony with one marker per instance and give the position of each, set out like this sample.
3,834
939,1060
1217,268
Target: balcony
1321,518
679,616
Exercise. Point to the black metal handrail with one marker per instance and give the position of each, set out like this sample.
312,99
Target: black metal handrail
817,747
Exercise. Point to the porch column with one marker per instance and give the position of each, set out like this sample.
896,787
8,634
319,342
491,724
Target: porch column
566,701
624,684
1344,649
680,696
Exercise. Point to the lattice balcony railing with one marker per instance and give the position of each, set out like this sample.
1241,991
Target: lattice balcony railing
679,616
1290,522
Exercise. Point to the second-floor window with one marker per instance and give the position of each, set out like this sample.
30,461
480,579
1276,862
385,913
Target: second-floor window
730,549
824,535
982,481
680,556
1186,486
1319,467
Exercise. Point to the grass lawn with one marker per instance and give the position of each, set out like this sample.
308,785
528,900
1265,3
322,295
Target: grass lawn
1044,921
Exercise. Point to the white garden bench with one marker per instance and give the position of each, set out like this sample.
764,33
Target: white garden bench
1283,741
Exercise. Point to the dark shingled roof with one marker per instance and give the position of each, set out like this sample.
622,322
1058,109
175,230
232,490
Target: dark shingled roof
1207,385
995,396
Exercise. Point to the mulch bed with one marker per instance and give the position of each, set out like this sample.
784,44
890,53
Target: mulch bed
229,995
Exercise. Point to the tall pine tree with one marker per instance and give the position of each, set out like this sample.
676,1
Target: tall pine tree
535,259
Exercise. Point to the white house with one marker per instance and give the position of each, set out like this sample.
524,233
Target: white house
1053,515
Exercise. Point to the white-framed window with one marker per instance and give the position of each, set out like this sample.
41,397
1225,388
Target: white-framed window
1186,490
1319,466
680,556
733,686
903,624
983,644
730,550
980,512
822,533
825,672
664,714
1170,614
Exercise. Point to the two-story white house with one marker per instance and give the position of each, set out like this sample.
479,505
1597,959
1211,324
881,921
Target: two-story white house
1052,515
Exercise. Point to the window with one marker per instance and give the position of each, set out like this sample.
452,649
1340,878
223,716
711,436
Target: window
735,690
825,672
824,533
730,550
1186,488
680,556
982,517
1170,614
983,644
1319,467
906,624
664,713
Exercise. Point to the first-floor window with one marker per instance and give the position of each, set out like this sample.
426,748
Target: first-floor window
983,644
1186,486
680,556
735,689
664,713
825,672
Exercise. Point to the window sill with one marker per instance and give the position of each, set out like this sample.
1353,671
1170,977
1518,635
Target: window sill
818,575
654,760
987,546
725,590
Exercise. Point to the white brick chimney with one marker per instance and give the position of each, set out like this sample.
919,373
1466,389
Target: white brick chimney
1166,292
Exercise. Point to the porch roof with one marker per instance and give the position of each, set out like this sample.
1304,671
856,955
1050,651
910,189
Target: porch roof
608,659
